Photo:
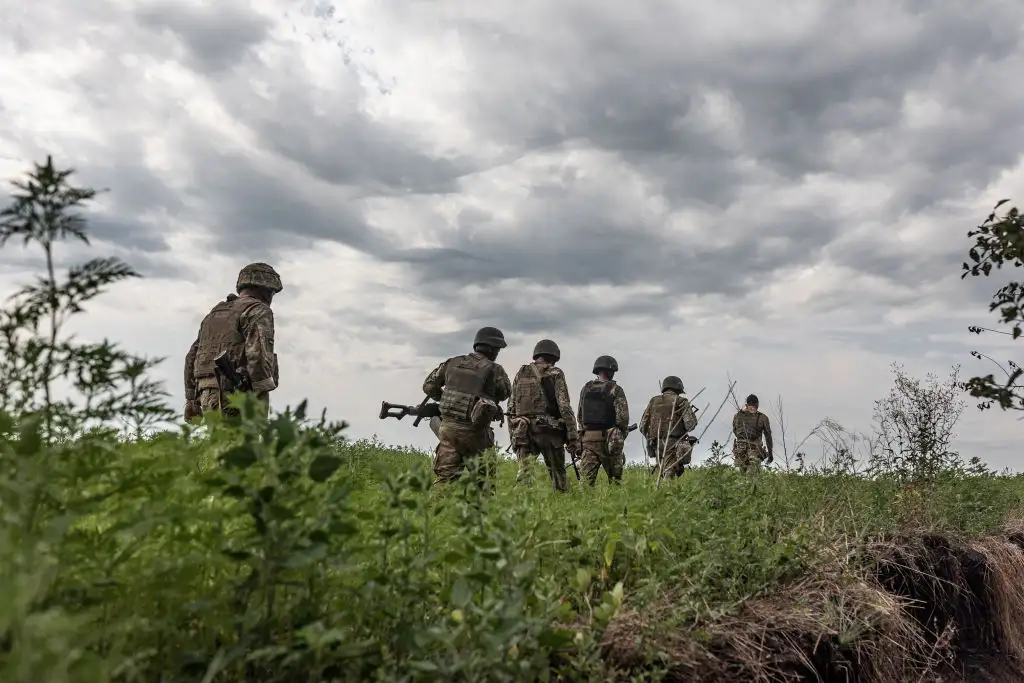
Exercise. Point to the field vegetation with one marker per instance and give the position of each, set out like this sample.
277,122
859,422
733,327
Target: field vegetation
280,550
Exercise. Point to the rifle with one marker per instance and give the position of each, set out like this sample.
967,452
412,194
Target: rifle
398,411
222,365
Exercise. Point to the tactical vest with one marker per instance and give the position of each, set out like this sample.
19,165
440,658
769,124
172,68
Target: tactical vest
465,380
748,428
220,331
664,422
598,404
531,398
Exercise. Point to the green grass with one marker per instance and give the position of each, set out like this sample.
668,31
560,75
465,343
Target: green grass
156,564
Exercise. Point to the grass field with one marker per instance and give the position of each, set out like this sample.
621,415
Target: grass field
280,553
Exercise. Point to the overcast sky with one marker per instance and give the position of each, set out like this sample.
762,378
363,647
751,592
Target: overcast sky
776,190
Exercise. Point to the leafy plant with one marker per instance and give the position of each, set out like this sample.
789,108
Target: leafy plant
999,241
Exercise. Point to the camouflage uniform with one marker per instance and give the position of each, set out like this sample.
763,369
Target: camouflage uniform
603,415
242,325
540,416
469,388
665,423
748,426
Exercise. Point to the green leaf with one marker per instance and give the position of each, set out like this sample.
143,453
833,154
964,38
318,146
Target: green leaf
609,552
461,593
556,638
239,457
323,466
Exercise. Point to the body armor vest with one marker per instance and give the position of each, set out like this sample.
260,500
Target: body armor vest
666,423
220,331
748,428
465,380
598,404
531,394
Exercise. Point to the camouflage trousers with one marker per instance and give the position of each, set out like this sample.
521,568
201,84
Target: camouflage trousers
747,455
673,455
461,446
602,448
210,399
550,444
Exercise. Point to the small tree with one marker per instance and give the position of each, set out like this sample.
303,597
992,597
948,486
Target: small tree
998,241
914,426
36,358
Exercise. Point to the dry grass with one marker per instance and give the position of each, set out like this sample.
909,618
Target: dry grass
917,609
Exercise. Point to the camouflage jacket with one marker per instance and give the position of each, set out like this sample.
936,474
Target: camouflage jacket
529,400
244,327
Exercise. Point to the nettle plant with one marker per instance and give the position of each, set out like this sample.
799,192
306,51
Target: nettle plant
99,381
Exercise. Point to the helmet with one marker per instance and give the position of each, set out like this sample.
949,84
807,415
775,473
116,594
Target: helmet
605,363
548,348
491,336
672,382
752,400
259,275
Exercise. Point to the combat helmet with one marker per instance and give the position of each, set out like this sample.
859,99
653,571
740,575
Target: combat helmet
605,363
546,347
752,400
491,336
259,275
672,382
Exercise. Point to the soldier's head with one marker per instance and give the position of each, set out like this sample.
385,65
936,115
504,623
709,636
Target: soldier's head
605,367
672,383
260,281
752,403
488,341
547,351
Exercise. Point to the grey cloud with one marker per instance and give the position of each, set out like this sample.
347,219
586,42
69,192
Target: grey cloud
216,37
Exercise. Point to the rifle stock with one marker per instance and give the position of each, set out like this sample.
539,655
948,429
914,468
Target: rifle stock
398,410
223,365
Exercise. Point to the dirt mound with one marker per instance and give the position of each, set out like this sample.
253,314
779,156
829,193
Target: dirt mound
916,609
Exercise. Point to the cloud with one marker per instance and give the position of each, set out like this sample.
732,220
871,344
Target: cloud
778,191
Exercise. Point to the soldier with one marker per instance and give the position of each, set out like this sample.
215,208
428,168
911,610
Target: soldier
242,325
665,424
604,420
469,388
540,416
747,427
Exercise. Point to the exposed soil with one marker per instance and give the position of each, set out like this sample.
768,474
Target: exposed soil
918,609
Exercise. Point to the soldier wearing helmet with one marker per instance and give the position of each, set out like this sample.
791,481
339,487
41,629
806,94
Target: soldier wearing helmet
748,426
665,424
540,415
603,415
469,388
243,326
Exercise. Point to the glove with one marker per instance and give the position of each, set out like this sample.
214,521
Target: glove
768,460
575,447
192,410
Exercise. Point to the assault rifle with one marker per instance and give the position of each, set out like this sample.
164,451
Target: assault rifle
224,368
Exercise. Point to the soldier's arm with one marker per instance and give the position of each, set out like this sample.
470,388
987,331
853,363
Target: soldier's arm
257,325
767,429
565,406
736,425
621,409
191,391
511,410
434,382
579,407
502,384
645,420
